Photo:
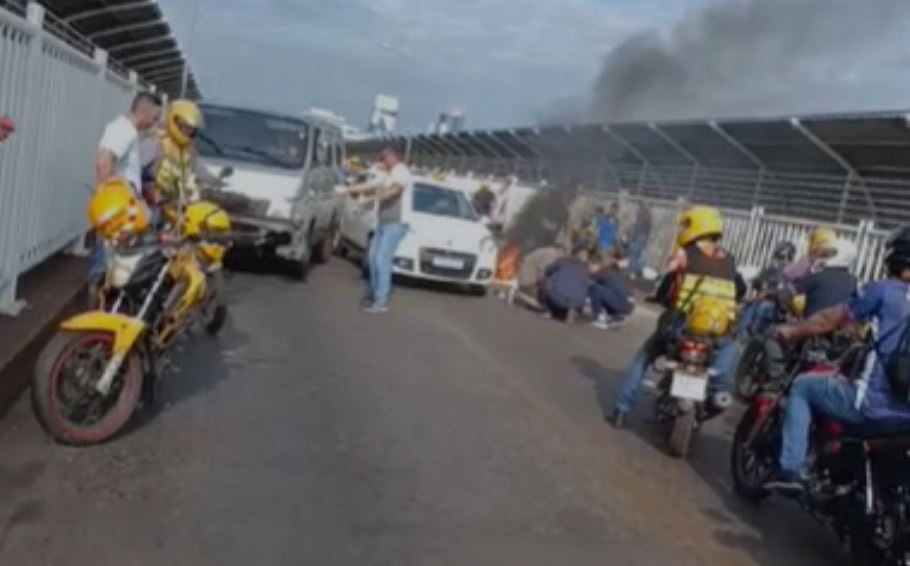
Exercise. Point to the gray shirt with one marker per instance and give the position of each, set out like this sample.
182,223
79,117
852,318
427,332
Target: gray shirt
389,211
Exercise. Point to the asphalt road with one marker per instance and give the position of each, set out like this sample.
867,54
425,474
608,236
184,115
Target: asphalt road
453,431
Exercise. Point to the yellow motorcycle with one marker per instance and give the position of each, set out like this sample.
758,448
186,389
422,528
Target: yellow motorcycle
91,375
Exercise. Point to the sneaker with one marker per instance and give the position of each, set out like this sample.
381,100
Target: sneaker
601,323
376,309
617,419
785,483
615,322
366,302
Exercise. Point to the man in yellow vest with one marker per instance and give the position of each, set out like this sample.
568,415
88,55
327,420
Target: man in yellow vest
171,172
700,269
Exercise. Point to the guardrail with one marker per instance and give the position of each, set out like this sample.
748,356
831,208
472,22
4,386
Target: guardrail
750,234
61,99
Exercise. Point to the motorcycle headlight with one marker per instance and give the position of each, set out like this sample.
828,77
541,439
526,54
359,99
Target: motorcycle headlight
121,268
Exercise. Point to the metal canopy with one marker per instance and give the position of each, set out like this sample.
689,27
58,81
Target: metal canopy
840,167
133,32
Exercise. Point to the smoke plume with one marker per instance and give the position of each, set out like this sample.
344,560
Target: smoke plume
762,57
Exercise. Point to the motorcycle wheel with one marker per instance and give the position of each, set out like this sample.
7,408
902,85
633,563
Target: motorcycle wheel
747,384
214,313
863,550
63,395
746,463
215,322
681,432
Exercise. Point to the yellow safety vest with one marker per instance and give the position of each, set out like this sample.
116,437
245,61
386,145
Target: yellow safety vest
175,170
706,277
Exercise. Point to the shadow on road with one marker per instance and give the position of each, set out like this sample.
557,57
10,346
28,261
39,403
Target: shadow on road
776,533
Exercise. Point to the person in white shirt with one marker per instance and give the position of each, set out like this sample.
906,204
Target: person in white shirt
118,152
118,156
386,191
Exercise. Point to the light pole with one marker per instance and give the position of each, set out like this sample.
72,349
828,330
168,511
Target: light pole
184,82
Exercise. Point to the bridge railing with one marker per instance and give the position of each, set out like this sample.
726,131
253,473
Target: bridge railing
60,99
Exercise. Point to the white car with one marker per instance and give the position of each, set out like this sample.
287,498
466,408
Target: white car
446,240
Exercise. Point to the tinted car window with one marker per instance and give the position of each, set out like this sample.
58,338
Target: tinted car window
439,201
253,137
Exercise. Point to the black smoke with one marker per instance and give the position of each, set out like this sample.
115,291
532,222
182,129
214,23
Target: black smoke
742,58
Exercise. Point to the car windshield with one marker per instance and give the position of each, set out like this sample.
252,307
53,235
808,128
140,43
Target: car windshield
439,201
253,137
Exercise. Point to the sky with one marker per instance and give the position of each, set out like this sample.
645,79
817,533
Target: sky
503,63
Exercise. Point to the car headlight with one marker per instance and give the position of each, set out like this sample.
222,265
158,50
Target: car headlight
487,245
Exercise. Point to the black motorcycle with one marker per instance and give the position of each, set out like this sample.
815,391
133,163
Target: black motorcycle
858,478
760,357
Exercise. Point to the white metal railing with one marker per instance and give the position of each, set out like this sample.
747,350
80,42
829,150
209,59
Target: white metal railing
60,98
750,234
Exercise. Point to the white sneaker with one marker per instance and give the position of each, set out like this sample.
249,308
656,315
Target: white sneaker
601,323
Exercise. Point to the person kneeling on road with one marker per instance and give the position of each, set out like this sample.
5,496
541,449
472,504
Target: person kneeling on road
700,270
609,293
532,274
880,396
565,287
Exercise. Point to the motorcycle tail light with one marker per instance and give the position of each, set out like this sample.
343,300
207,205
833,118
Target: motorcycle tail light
694,353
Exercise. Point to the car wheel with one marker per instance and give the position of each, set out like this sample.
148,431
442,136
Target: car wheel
338,245
478,290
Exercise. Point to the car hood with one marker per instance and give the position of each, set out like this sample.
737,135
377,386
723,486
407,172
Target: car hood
259,191
446,232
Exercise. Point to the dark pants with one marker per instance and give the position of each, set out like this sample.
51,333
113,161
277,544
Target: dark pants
607,298
557,311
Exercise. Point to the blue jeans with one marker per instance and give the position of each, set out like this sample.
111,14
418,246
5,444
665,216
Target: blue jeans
606,298
638,249
725,356
829,395
381,254
756,318
98,267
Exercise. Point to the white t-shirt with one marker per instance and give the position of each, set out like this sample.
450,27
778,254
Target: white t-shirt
389,211
122,139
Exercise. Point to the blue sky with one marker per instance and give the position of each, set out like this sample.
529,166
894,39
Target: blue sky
503,62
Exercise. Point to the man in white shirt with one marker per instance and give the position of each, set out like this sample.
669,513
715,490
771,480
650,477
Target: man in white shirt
118,156
387,192
118,152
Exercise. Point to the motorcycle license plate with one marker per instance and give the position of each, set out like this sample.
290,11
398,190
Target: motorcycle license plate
448,263
689,386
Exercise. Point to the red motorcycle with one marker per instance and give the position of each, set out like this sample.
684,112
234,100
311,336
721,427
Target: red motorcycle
858,479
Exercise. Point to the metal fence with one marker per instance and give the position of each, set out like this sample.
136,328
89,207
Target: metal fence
750,234
60,98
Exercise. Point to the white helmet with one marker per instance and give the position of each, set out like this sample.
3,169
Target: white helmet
844,257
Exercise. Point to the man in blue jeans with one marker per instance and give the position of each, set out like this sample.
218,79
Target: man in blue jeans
386,193
868,400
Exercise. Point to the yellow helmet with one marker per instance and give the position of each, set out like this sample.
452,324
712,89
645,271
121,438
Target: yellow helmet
822,239
206,218
699,222
115,211
710,317
182,121
798,304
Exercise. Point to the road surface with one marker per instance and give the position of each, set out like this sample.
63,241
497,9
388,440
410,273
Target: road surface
453,431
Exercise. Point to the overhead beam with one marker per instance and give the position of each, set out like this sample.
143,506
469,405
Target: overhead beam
737,145
143,55
122,29
141,43
674,144
837,158
108,9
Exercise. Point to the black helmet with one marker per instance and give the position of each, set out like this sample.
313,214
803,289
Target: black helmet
897,248
785,251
